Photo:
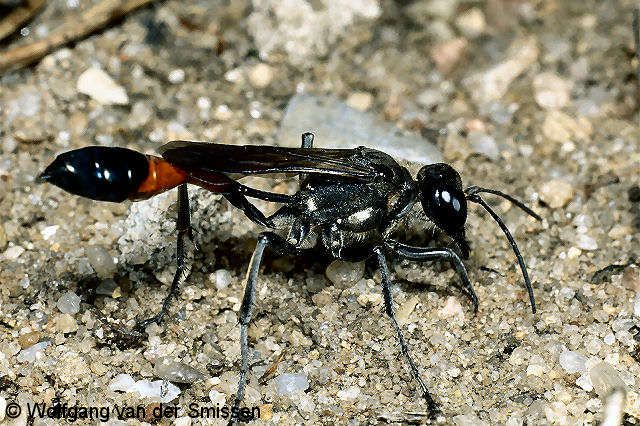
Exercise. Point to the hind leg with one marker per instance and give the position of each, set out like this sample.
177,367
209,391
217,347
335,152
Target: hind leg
183,227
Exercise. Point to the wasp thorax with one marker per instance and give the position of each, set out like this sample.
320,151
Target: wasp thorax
99,173
443,200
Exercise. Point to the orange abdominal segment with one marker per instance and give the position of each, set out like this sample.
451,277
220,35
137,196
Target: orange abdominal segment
162,177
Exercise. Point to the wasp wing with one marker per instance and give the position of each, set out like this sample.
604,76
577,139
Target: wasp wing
210,158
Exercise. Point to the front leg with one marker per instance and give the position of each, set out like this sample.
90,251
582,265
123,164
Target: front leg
422,254
388,305
183,227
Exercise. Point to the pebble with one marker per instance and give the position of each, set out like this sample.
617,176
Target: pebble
69,303
584,382
221,278
176,76
29,339
631,278
613,408
572,362
13,252
369,299
469,419
350,394
342,274
9,144
518,355
290,383
261,75
158,390
66,323
447,54
452,309
27,104
101,261
605,378
177,372
3,408
535,370
585,242
181,421
573,252
121,382
31,353
551,91
556,413
106,287
404,310
141,113
217,398
491,84
361,101
484,144
560,127
49,231
99,86
471,23
636,305
556,193
619,231
609,339
203,103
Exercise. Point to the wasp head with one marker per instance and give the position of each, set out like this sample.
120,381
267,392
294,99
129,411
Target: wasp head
97,172
444,202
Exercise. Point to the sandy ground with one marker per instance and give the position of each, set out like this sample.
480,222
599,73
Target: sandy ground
536,98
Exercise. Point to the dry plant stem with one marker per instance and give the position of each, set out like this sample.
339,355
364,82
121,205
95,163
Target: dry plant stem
19,16
635,26
90,21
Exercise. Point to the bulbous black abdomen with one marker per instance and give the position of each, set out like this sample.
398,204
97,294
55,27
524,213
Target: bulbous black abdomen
97,172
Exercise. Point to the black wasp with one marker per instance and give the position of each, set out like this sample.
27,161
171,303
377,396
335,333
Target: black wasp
348,205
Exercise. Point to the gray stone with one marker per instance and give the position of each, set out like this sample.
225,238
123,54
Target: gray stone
287,384
336,125
177,372
69,303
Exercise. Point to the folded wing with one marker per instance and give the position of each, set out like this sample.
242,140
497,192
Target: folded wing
203,158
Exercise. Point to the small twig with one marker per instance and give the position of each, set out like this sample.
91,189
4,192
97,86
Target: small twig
19,16
270,372
92,20
636,37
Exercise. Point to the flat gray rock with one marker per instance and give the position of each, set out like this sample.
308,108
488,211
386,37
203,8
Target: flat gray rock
336,125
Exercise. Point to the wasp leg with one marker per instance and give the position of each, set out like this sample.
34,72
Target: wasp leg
251,211
263,195
432,253
298,233
279,245
183,226
388,305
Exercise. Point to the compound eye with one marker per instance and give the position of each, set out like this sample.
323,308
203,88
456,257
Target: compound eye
449,207
450,200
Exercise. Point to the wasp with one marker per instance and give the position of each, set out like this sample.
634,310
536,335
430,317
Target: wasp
349,203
